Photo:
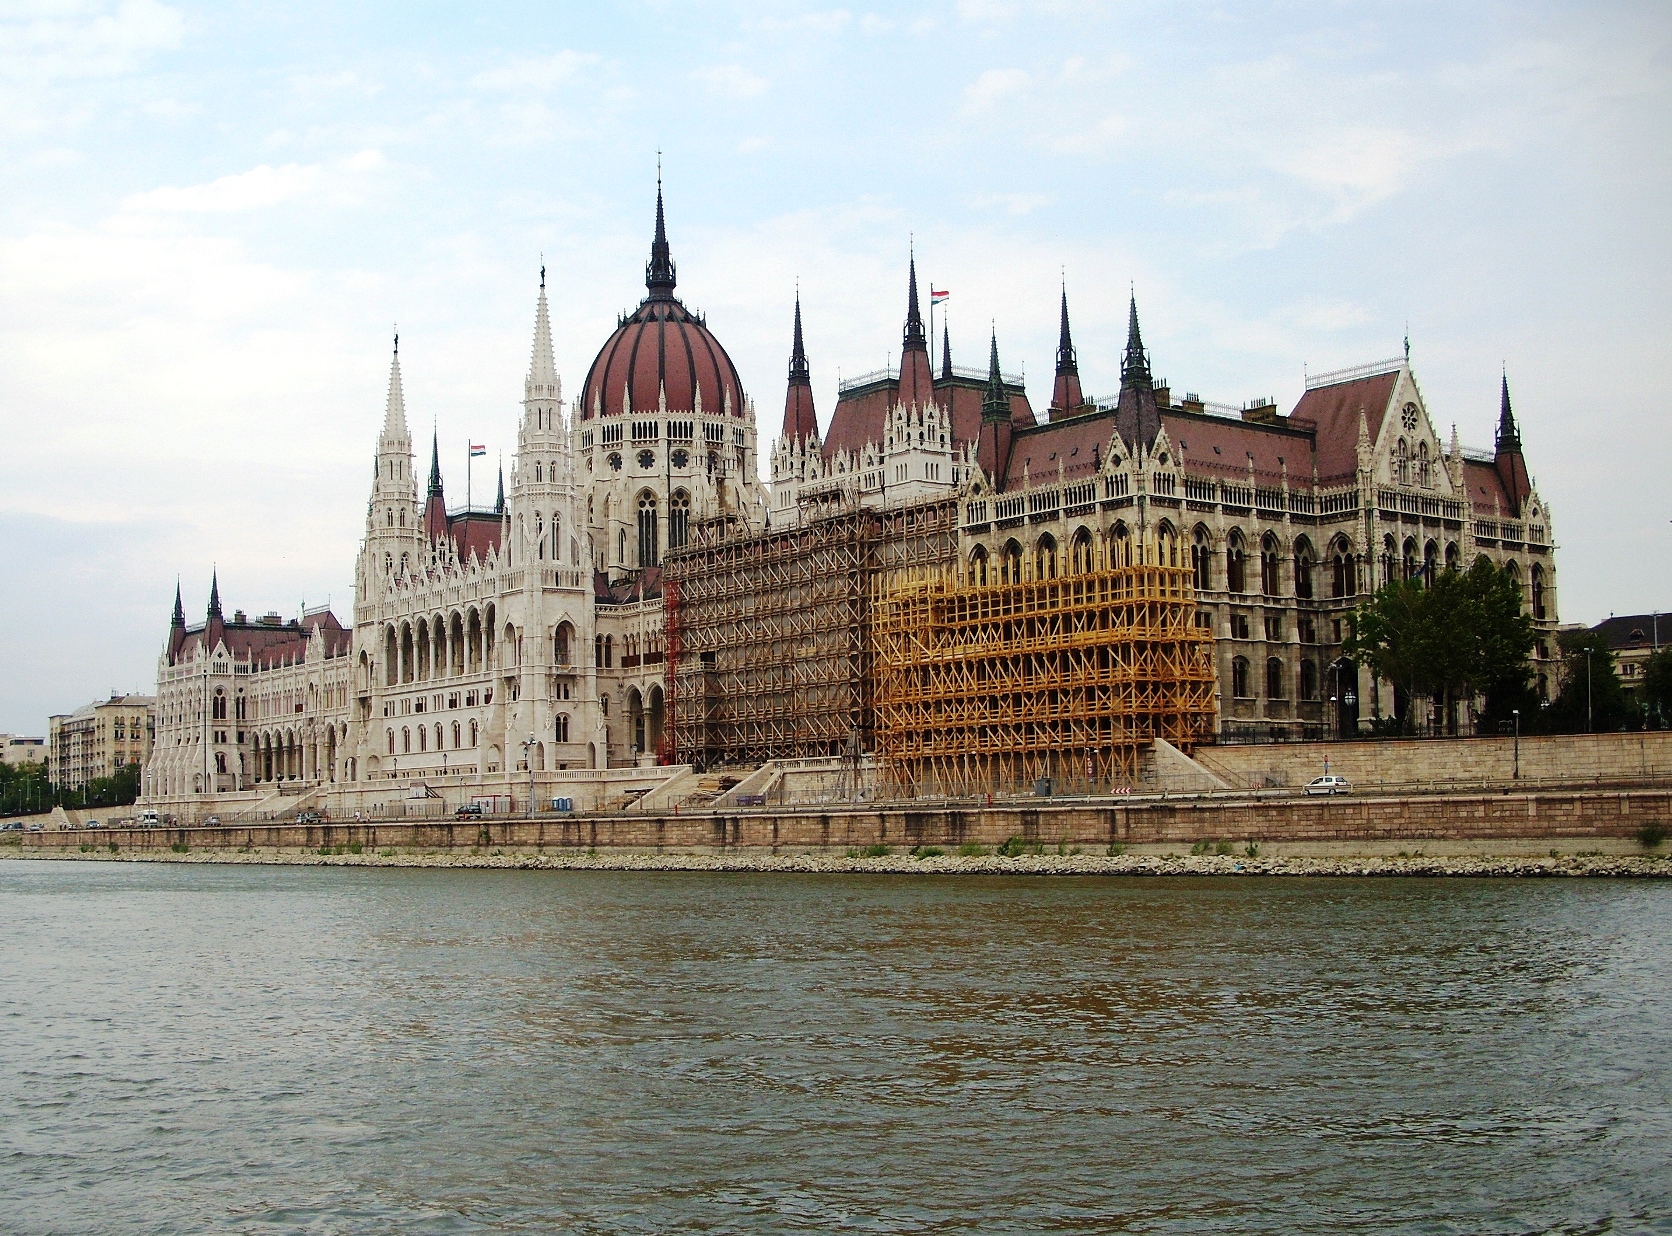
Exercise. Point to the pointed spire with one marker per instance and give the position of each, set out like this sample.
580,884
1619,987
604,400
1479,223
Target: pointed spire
995,401
1509,437
215,596
179,619
913,336
799,372
1134,366
659,272
394,415
946,352
435,464
542,368
499,502
801,422
1066,361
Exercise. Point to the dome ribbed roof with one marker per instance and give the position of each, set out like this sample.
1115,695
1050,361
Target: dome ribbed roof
661,346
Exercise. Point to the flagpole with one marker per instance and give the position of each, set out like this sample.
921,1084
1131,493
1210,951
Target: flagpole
468,456
931,330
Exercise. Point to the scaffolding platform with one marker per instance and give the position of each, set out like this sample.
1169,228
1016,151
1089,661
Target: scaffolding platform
990,688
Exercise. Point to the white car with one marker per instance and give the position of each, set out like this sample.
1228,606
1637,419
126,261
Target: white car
1328,785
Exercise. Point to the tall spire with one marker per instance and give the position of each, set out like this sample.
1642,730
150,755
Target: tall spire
1134,366
435,464
215,596
179,619
799,371
542,368
913,335
394,415
1509,437
995,401
946,352
499,502
801,422
1066,395
659,275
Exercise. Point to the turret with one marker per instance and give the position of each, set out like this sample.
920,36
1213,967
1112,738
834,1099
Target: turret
916,381
1137,418
1066,397
1507,457
993,451
435,503
801,423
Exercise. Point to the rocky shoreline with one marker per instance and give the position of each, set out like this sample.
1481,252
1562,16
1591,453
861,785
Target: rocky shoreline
904,863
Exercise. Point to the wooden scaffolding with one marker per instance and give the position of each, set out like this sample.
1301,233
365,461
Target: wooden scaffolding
984,688
769,643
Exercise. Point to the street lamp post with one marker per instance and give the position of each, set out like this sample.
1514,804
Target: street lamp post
1517,714
528,759
1587,690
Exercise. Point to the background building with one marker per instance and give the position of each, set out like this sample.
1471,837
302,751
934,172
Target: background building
1634,638
100,740
16,749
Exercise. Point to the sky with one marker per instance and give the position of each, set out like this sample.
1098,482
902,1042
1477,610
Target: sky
213,217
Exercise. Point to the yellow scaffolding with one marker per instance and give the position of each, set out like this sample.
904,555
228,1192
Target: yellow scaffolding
990,687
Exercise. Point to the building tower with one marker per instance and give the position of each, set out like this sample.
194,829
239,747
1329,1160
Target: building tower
1066,396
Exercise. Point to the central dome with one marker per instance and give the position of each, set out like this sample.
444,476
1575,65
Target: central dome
661,348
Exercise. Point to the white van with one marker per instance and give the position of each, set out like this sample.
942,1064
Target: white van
149,819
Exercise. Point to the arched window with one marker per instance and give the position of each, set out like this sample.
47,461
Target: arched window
1045,558
621,547
1402,463
1239,678
1201,559
1422,464
562,727
978,566
1430,564
1343,581
1010,569
1274,678
473,734
391,742
1308,680
423,739
218,707
538,476
455,735
1538,591
539,537
1409,563
598,652
1303,569
679,519
1235,557
1166,545
649,554
609,651
1390,560
561,639
406,739
1454,557
1120,546
1082,554
439,744
1268,565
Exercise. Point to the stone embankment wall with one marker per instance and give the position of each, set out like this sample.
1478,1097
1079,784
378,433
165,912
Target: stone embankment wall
1564,815
1546,760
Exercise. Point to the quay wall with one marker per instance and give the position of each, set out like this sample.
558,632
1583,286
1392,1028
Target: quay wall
1567,815
1464,763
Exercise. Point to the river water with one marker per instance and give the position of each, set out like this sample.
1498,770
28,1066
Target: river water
196,1048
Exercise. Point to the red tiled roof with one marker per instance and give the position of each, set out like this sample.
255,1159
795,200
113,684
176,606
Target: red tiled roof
475,532
1218,446
1335,411
1482,485
268,645
859,419
1079,443
662,343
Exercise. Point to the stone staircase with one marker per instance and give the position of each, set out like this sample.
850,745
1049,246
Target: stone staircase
709,787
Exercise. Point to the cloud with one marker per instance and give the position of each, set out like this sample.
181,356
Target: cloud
252,190
991,88
1014,203
536,73
731,81
50,46
1096,138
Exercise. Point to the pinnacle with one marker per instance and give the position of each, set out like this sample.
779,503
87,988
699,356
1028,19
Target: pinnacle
394,415
542,368
1066,363
914,336
659,272
798,352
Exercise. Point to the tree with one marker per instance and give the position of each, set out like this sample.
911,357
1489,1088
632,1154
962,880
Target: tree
1657,690
1592,699
1464,636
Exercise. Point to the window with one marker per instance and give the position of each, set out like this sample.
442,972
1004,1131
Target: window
1303,571
609,651
978,566
1201,559
562,727
1338,630
473,733
423,739
1239,626
1268,566
1045,558
679,519
1239,678
391,742
614,461
647,460
1234,558
1308,680
648,550
1274,678
406,739
681,459
1538,592
1308,628
1274,627
455,735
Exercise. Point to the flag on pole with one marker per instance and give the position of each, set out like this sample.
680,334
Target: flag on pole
477,450
939,297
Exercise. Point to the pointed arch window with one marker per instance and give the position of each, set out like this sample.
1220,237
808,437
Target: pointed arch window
649,551
679,519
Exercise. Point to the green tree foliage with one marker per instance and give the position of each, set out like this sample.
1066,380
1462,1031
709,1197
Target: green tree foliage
1592,698
1657,690
1465,635
25,790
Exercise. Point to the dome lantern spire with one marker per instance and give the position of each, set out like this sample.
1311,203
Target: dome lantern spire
659,272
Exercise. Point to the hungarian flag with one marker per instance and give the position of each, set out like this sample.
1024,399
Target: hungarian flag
938,298
477,450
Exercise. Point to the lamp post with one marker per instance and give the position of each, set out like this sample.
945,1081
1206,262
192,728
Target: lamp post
528,759
1516,712
1587,690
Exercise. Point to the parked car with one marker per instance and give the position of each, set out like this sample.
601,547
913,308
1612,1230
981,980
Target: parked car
213,821
1328,785
309,817
468,811
68,825
12,826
